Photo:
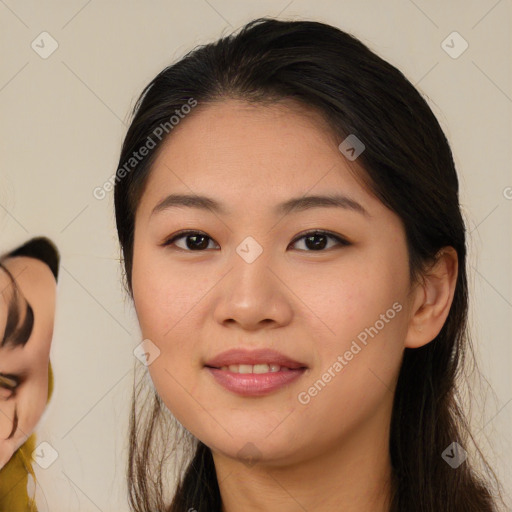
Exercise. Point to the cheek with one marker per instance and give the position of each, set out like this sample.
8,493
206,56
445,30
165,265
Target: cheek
359,297
163,295
358,365
167,302
362,328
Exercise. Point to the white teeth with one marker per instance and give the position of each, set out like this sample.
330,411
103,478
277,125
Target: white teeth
257,368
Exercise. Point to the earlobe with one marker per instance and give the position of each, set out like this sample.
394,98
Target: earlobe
433,299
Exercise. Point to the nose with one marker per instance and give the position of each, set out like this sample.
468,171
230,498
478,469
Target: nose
253,296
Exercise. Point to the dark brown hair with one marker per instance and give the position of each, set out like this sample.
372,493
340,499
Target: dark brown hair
407,164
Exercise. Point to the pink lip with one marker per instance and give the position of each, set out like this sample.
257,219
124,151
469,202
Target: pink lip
258,356
254,384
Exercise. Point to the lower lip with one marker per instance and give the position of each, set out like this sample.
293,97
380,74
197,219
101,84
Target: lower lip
254,384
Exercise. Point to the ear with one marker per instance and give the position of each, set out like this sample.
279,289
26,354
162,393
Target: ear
432,299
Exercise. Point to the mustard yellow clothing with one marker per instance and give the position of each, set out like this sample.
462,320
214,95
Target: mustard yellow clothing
14,475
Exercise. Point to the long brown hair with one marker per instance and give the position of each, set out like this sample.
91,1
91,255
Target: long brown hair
408,165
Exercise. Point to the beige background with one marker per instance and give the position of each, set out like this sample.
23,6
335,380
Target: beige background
62,123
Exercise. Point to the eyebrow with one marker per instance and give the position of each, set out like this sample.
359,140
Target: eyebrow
293,205
14,335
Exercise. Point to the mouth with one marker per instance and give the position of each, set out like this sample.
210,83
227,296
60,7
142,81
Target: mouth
251,384
255,369
254,373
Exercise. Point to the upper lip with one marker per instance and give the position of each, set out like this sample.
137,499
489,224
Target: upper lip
252,357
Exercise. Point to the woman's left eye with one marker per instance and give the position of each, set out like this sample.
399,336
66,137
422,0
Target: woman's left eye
314,240
318,240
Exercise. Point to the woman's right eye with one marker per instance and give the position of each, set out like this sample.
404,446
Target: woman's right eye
194,240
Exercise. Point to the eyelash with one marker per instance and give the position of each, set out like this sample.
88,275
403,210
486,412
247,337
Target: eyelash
183,234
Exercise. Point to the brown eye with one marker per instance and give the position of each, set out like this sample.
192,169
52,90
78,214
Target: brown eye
317,241
194,240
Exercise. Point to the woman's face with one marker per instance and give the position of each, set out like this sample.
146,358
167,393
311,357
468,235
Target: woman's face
340,310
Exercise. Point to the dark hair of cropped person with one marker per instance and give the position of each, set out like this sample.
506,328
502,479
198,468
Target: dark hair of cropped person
408,165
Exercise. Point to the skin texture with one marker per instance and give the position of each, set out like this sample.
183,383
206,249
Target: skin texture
37,284
331,454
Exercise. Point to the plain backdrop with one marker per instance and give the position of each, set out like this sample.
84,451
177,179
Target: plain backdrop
63,118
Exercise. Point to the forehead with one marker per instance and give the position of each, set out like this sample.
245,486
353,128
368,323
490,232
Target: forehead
226,131
255,152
